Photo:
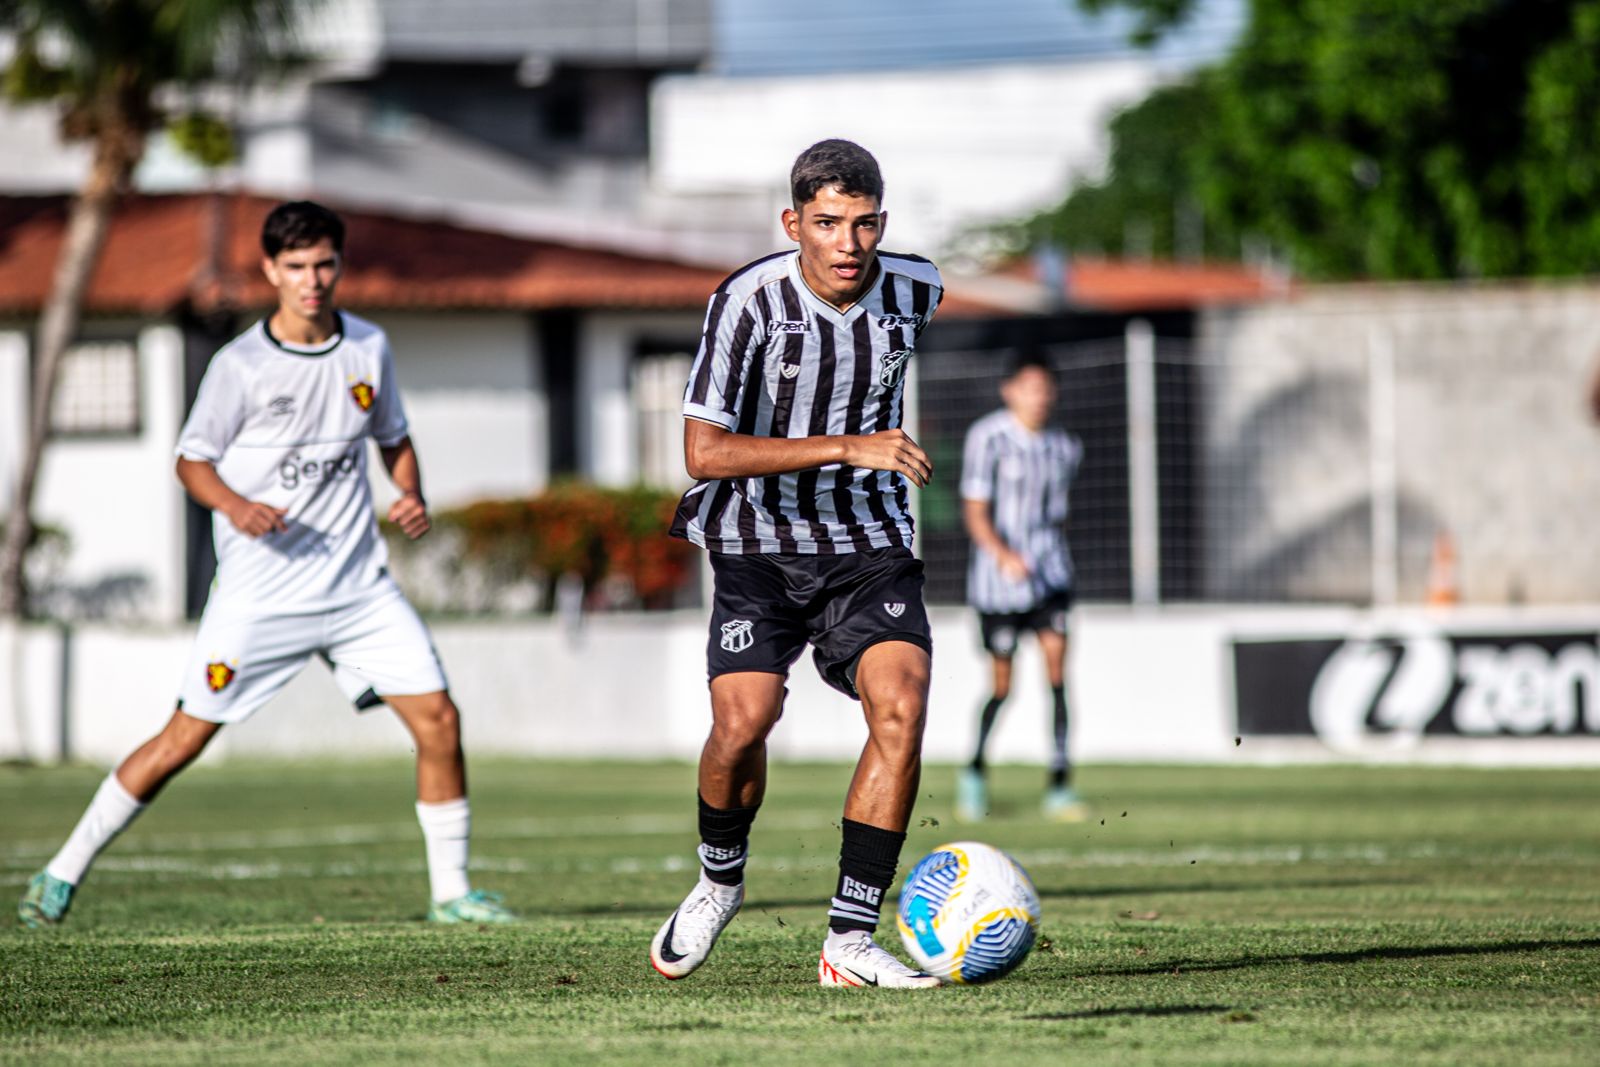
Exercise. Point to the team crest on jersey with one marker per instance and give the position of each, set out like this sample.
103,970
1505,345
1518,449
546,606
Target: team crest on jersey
362,393
895,609
900,322
219,674
736,636
893,367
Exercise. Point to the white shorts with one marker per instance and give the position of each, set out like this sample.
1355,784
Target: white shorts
240,660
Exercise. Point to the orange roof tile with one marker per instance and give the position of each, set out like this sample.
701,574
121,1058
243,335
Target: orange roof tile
159,255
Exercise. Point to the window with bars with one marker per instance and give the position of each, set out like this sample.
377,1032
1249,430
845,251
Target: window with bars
97,390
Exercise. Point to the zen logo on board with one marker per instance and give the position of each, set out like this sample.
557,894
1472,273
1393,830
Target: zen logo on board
1402,686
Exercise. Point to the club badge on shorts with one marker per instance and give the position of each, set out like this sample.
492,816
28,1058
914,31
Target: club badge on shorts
362,393
895,609
736,635
219,674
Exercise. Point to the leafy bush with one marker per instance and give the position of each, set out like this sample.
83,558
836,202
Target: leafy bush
614,540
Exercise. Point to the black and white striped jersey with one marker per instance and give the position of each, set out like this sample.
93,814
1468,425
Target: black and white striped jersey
1025,477
775,360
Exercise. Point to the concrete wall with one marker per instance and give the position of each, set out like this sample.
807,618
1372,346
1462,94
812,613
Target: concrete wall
1149,686
474,393
1492,443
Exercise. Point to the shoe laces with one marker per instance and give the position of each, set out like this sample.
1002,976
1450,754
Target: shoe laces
869,955
56,894
707,910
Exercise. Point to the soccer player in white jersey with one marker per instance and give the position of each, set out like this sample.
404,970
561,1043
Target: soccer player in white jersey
276,447
1015,477
793,409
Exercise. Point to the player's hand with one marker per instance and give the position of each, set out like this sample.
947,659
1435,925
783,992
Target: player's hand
1012,565
254,519
410,513
891,450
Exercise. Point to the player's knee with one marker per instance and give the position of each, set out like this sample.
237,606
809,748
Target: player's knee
898,712
743,724
437,723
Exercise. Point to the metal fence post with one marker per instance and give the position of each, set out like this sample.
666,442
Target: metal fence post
1384,473
1144,504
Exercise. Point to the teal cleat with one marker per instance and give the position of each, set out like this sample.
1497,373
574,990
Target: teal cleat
972,796
46,901
1062,804
477,906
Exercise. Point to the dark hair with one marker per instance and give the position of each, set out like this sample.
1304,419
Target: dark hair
1026,359
300,224
842,164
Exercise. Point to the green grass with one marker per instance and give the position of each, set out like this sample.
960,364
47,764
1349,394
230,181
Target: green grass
1219,916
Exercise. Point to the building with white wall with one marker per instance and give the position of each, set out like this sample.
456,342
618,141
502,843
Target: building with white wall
517,359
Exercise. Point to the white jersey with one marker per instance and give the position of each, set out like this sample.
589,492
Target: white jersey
288,426
1024,477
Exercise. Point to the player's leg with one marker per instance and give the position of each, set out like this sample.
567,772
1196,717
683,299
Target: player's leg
383,644
443,810
1000,642
753,639
892,680
1061,801
745,706
122,796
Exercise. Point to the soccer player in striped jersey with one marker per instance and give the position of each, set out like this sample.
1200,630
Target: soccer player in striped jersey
276,447
793,430
1015,476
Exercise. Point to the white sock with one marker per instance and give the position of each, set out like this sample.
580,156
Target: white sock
445,828
109,813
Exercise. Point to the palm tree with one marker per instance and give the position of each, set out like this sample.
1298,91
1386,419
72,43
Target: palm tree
105,62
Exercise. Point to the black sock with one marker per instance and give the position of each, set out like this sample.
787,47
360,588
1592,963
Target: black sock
724,842
1060,766
867,859
991,711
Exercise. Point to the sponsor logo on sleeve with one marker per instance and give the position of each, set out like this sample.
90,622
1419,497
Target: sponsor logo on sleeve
219,674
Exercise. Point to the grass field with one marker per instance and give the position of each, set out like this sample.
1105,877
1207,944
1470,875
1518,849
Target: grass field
271,912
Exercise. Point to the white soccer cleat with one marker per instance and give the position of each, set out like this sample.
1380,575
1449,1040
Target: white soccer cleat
686,939
854,959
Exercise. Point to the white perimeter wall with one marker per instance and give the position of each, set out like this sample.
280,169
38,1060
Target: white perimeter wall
957,146
1153,686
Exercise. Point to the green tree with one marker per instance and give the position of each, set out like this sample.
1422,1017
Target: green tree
1385,139
104,63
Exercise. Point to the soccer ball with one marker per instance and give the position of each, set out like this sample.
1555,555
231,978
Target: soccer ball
968,913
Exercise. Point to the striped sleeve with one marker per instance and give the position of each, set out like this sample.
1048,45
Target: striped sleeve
977,463
717,381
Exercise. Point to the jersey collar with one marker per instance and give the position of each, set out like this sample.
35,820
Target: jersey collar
332,342
825,309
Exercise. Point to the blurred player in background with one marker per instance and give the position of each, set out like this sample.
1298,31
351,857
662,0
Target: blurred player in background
276,447
1016,473
793,408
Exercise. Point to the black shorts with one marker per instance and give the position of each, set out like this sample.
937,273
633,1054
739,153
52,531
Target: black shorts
1001,630
767,606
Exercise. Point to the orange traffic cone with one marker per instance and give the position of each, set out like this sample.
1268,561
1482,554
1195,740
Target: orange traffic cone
1444,587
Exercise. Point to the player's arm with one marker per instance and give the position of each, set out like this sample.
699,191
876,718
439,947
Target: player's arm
711,451
975,515
410,512
251,518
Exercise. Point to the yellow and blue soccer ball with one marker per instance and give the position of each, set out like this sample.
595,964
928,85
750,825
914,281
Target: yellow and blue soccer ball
968,913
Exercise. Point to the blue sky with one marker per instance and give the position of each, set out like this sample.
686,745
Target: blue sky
785,37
